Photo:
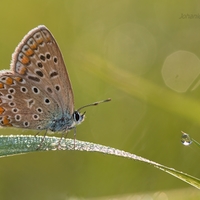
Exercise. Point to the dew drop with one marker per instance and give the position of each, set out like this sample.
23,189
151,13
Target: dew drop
53,146
185,139
62,146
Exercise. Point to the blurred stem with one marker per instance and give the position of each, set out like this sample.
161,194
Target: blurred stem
139,87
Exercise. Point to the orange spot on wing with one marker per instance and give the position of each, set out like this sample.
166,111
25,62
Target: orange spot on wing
6,121
33,46
40,40
1,110
9,81
22,70
46,36
25,60
29,52
1,85
18,79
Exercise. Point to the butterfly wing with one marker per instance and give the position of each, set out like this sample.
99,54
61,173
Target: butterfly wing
37,89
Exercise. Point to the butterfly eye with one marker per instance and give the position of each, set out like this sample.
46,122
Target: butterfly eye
78,118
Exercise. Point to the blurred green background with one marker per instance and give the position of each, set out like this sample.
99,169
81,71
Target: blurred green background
142,54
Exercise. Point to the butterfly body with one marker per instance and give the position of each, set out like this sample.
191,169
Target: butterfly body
64,122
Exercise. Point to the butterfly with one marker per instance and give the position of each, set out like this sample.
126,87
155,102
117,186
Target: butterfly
36,92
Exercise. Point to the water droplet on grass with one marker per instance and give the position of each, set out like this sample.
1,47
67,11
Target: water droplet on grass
185,139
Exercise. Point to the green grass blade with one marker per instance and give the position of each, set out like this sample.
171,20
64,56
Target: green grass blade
13,145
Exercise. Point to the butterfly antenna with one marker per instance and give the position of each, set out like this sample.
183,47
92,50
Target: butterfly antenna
94,104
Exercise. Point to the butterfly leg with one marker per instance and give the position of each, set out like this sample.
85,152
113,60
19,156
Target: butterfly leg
74,138
60,140
40,145
64,135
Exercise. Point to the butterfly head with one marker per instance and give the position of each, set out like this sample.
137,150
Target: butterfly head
78,117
